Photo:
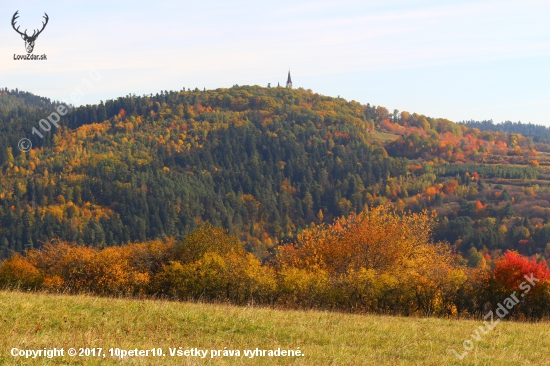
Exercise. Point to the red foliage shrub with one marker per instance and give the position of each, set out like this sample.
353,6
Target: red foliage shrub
510,270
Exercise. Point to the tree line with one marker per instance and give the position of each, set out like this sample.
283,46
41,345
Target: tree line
377,261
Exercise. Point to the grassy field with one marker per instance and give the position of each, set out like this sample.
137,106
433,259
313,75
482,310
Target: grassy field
35,321
384,136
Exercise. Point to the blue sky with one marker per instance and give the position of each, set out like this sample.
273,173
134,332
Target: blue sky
455,59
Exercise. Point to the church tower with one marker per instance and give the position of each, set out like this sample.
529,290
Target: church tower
289,81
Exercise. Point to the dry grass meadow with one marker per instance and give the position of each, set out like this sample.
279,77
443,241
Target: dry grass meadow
34,321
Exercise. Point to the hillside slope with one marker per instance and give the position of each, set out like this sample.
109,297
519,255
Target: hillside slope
324,338
263,163
259,162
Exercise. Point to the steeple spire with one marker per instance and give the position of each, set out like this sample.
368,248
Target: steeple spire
289,81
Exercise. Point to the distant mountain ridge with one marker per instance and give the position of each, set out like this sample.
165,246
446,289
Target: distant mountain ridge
526,129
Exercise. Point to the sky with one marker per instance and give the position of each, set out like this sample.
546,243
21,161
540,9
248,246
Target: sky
459,60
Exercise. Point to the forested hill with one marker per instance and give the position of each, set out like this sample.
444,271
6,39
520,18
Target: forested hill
539,132
262,162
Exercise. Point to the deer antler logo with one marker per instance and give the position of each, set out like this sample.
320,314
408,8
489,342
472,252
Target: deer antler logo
29,40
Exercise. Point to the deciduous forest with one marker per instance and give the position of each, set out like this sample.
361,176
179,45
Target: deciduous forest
310,194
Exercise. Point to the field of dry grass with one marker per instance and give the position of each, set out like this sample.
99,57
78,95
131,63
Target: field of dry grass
35,321
384,136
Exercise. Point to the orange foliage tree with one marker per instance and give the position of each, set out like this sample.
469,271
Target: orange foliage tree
379,259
